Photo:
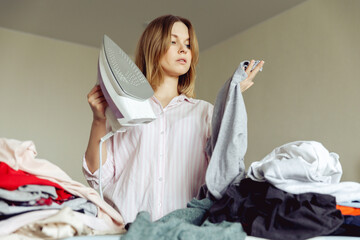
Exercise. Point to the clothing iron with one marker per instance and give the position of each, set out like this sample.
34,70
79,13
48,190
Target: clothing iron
125,88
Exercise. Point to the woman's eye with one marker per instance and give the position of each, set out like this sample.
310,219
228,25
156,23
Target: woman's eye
173,42
188,46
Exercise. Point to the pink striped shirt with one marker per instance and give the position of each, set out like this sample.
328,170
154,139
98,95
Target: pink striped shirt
160,166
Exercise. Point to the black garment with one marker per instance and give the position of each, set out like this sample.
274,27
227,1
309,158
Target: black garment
265,211
350,227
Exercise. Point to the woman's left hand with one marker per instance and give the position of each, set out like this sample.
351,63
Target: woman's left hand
248,82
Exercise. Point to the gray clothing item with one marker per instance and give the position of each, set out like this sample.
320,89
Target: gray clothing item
228,143
28,193
77,204
190,223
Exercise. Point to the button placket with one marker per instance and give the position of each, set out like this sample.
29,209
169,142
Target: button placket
161,164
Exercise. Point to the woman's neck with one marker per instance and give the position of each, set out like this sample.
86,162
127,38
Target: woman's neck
167,90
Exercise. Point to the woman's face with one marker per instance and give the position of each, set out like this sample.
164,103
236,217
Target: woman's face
176,61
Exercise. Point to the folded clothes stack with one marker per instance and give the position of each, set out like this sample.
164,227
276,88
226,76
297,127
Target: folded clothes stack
39,200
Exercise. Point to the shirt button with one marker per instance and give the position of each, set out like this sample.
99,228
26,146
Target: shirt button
159,204
162,132
160,179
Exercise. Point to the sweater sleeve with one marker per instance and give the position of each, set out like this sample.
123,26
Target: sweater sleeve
228,143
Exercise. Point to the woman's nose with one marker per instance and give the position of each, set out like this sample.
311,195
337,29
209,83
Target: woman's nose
182,48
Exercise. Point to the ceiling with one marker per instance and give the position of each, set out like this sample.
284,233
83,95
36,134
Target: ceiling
85,21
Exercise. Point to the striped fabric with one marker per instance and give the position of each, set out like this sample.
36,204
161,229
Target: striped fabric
160,166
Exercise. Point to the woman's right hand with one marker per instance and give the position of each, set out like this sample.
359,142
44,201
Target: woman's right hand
97,103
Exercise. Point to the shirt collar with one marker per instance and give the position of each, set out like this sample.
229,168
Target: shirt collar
183,97
180,98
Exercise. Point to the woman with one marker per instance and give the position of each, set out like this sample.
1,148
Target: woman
160,166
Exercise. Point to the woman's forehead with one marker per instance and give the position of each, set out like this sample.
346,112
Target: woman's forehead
180,30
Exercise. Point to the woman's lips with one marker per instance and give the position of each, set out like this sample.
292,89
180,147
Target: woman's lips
181,60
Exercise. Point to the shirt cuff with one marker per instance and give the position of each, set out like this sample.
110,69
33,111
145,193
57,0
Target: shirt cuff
93,178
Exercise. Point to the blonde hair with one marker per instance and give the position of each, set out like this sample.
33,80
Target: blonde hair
154,43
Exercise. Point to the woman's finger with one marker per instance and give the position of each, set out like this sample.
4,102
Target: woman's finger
259,66
96,94
98,102
94,89
249,67
256,69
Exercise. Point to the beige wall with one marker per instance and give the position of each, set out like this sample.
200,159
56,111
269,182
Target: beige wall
43,87
309,89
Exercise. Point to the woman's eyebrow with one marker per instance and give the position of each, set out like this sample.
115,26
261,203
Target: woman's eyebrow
174,35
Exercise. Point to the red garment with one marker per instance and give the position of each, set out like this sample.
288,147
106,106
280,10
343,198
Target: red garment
63,195
11,179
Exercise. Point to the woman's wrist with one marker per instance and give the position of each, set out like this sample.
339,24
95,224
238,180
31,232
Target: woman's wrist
99,121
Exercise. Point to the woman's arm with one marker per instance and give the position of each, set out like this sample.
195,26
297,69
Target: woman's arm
98,105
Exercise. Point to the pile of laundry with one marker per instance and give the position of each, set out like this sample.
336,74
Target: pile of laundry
315,202
39,200
299,184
